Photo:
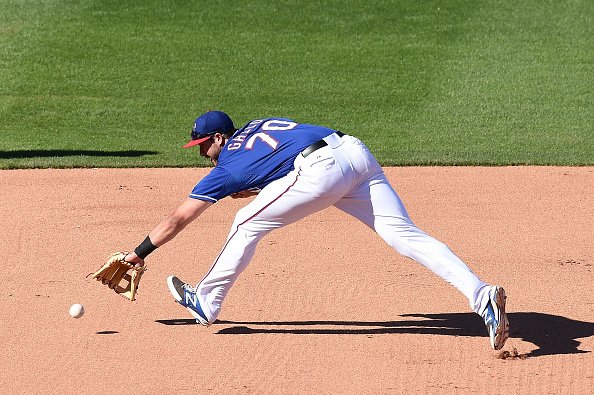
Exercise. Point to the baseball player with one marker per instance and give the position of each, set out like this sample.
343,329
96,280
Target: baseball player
298,169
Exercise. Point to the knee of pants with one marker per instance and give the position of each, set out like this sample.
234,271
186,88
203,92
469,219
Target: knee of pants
402,237
242,219
402,247
242,215
251,227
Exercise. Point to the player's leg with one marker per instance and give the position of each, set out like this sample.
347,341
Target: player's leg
376,204
317,183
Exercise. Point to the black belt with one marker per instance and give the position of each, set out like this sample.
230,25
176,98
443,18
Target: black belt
317,145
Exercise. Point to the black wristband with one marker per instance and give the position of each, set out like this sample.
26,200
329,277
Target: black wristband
145,248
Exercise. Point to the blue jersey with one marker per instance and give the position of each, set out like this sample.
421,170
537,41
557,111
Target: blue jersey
260,152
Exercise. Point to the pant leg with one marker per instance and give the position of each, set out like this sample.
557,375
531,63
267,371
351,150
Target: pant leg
377,204
317,182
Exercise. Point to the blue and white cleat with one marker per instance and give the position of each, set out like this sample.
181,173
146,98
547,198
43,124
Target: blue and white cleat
495,318
186,295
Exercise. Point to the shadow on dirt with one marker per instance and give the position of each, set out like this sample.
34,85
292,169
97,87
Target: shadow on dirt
20,154
552,334
107,333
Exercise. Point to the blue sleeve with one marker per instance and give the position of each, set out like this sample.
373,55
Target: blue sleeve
212,188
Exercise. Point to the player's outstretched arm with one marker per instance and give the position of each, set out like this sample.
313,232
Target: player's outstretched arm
174,223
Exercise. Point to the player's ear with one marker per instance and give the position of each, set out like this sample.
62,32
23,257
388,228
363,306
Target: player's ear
218,138
221,138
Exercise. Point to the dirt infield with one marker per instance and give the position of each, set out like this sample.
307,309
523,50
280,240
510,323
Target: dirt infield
325,307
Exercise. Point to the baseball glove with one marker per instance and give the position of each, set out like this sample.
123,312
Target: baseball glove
121,276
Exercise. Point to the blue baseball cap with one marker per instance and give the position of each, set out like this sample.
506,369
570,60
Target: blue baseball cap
207,124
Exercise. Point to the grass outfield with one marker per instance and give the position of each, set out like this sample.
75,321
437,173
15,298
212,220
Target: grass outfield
118,83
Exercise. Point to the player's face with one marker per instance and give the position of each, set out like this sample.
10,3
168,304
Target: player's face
212,147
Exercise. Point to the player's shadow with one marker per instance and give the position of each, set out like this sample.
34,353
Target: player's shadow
50,153
552,334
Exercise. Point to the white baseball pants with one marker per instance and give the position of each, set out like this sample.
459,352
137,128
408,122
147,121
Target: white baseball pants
344,174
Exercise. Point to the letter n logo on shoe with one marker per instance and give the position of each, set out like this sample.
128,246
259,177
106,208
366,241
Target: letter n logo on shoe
191,299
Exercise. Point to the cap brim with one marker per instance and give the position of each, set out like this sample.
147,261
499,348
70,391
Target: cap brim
196,142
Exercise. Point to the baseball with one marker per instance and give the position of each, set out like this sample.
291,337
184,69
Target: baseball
77,310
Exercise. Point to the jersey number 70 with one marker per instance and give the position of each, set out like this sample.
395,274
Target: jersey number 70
268,126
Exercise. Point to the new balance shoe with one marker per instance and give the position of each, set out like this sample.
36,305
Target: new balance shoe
186,295
495,318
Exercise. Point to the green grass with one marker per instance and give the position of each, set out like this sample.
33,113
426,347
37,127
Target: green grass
118,83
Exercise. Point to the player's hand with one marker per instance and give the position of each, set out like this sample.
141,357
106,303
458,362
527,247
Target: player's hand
122,273
243,194
133,258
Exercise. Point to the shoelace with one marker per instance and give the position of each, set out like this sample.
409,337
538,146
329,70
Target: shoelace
188,287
